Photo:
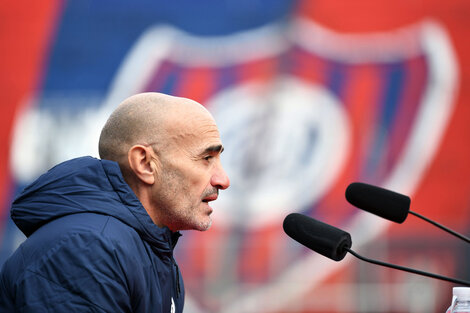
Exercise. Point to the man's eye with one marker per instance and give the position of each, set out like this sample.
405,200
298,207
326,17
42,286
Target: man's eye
207,158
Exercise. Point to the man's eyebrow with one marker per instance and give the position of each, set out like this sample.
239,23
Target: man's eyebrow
213,149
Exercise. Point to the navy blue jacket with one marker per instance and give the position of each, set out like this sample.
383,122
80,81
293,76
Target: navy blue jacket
91,247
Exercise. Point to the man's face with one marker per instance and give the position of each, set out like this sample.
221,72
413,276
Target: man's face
190,174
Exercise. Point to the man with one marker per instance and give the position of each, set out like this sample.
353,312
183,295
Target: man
101,233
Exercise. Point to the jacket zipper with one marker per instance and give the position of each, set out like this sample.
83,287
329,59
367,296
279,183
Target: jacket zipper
177,275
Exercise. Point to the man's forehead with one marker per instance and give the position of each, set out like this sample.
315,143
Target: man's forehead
208,141
196,135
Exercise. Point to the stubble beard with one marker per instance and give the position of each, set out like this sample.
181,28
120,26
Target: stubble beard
186,214
186,218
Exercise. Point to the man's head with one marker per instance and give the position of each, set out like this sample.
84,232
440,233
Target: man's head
168,149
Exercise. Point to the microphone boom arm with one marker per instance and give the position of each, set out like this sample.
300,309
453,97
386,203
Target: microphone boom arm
450,231
410,270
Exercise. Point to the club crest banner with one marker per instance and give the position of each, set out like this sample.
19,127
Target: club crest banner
303,108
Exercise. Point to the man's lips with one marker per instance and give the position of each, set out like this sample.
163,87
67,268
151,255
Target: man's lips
210,198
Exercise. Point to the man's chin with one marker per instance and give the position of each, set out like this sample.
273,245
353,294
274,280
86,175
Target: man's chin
203,226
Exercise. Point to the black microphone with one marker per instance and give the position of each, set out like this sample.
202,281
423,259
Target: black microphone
327,240
382,202
334,243
388,204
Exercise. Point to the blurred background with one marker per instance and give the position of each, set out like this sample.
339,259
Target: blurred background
309,96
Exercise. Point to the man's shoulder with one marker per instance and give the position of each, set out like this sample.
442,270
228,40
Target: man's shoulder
82,240
79,234
88,229
85,257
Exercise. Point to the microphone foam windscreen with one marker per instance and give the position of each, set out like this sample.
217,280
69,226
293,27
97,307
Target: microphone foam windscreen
382,202
327,240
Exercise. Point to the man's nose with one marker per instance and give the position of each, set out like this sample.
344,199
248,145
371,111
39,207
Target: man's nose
220,179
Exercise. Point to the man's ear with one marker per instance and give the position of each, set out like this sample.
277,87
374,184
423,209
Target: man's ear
141,163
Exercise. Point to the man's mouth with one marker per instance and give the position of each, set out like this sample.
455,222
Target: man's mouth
210,198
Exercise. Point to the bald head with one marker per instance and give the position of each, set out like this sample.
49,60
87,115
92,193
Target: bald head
145,118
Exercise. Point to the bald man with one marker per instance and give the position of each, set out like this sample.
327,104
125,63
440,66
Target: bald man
101,233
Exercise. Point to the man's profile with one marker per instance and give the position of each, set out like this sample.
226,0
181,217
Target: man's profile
101,232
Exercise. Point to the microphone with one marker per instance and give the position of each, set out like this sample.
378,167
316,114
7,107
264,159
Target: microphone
334,243
388,204
322,238
382,202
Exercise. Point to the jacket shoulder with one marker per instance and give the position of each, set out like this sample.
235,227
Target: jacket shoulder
87,256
